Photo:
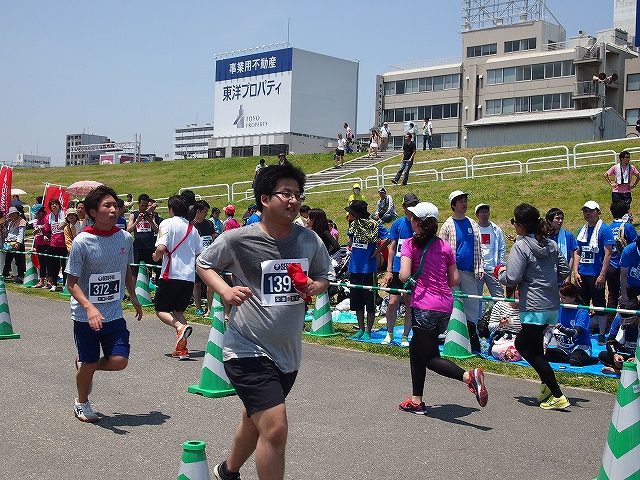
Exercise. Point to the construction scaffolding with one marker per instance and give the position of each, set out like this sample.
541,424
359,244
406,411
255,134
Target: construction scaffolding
130,147
479,14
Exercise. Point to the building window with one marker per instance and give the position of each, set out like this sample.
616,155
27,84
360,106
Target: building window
390,88
448,140
509,75
411,86
535,103
424,84
520,45
273,150
413,114
537,71
508,105
633,83
493,107
482,50
530,72
522,104
410,114
632,115
246,151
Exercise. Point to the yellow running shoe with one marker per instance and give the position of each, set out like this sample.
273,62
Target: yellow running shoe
554,403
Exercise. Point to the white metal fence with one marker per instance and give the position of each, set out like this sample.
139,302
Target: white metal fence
515,162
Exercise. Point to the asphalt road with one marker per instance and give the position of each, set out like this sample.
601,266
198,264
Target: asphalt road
343,415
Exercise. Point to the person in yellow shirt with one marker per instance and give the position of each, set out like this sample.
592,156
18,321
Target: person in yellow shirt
71,227
356,195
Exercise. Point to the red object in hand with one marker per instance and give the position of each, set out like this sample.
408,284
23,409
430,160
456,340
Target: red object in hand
300,280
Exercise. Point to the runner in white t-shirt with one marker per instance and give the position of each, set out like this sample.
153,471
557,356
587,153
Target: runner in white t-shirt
177,245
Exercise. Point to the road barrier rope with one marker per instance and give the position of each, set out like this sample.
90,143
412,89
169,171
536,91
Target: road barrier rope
397,291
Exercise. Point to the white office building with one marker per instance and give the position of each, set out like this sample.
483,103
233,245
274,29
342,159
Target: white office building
32,161
282,101
519,74
192,141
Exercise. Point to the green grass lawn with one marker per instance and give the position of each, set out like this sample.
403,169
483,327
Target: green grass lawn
565,189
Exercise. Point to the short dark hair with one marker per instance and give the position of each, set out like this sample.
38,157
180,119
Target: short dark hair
120,203
619,208
189,196
305,208
52,201
265,183
143,196
551,214
178,204
95,196
201,205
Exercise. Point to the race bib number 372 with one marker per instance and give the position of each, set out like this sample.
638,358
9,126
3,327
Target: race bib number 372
277,287
104,287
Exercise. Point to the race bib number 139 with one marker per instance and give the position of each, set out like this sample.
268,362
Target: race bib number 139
277,287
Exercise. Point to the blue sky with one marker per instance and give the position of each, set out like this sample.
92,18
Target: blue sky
119,68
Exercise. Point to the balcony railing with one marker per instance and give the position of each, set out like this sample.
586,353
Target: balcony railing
585,89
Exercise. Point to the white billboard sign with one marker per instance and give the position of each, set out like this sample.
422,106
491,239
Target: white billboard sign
253,94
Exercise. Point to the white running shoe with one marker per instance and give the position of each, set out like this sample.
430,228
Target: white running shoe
84,412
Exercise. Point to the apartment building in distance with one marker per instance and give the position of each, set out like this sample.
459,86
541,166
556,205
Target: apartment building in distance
192,141
83,158
519,80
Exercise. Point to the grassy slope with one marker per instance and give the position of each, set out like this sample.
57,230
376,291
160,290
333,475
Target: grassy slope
567,190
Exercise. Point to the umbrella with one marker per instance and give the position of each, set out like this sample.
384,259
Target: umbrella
82,187
18,191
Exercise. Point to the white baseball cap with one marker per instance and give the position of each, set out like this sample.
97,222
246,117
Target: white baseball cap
424,210
482,205
591,205
455,194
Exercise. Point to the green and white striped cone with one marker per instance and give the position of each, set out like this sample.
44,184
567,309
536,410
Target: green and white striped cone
65,291
637,362
456,342
621,456
6,330
142,287
322,322
30,274
214,382
193,465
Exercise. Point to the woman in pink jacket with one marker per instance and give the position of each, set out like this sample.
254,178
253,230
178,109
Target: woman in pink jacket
57,245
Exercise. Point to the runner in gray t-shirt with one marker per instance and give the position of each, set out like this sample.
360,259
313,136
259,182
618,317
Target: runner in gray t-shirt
263,343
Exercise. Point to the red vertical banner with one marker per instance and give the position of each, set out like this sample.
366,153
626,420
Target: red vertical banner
5,188
64,199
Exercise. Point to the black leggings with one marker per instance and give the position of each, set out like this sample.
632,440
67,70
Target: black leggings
424,353
529,344
18,256
578,358
57,260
